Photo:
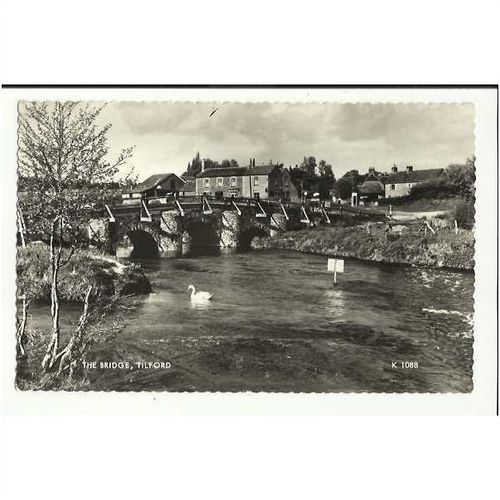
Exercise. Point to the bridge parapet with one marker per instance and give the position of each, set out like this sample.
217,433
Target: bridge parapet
174,224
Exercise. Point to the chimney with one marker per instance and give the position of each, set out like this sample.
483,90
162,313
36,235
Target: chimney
203,165
394,168
253,163
409,168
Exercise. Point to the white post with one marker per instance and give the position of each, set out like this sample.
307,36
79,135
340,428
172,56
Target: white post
430,228
284,212
236,206
148,215
111,216
262,211
456,227
208,209
179,206
335,273
328,221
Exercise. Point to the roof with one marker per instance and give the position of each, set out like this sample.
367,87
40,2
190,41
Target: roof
413,176
262,170
223,172
190,185
236,171
371,187
152,181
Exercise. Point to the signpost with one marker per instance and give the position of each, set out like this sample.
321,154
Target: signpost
335,266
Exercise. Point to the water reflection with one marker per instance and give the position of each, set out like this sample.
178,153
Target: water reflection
201,306
334,301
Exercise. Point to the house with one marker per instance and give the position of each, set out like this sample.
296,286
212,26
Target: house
399,183
156,185
370,191
189,188
260,182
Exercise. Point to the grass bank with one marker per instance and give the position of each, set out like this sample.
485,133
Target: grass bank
114,285
107,275
378,242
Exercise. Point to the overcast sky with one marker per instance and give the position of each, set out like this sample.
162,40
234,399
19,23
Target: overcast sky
168,135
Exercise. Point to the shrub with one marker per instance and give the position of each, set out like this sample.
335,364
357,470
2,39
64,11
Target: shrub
464,212
433,189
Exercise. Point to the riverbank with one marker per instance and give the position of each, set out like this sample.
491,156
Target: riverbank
113,285
377,242
108,276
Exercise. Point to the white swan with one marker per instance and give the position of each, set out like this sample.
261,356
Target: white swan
198,296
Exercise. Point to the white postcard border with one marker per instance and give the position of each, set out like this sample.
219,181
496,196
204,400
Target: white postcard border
482,400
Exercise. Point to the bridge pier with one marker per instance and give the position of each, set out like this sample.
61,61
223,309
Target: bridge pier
278,224
124,247
97,231
230,229
171,231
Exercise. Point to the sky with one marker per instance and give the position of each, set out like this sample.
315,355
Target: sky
167,135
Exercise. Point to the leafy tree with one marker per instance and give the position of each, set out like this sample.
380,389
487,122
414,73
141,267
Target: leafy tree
463,177
229,163
64,152
343,188
347,184
309,165
210,163
325,169
194,167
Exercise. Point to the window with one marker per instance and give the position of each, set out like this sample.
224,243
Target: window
409,184
255,181
207,182
233,181
393,187
219,181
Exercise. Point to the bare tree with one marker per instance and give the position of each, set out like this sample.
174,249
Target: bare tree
63,153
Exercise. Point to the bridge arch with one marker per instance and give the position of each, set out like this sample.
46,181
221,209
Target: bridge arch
144,245
203,232
251,231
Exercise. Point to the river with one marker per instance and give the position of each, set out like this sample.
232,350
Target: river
277,323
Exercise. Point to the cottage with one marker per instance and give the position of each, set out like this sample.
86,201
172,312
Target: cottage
399,183
370,191
156,185
260,182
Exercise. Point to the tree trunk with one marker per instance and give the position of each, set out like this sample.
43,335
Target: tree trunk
74,351
21,327
55,261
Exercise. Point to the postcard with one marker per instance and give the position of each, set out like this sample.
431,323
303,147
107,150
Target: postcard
299,249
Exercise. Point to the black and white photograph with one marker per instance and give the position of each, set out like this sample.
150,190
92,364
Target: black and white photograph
291,247
249,250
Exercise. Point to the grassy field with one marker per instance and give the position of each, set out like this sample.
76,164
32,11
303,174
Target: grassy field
423,205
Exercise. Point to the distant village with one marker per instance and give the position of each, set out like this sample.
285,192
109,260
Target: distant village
274,181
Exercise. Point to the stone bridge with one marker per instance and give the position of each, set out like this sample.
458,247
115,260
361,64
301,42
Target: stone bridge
172,226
